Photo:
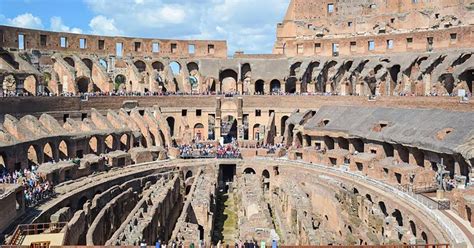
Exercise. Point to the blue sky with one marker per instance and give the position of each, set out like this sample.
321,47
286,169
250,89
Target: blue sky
247,25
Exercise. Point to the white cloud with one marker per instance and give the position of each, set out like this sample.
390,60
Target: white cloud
58,25
26,20
247,25
104,26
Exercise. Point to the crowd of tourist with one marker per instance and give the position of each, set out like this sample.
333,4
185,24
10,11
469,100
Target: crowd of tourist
201,244
199,150
272,148
35,187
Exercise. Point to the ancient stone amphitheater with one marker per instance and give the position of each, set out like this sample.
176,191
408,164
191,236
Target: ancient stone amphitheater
356,130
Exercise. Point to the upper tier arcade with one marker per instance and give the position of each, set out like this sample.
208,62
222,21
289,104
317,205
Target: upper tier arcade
354,27
29,39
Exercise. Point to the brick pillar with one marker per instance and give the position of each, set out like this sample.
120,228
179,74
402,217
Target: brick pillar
266,88
298,86
240,87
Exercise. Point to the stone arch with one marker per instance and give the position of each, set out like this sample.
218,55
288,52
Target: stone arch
266,174
246,71
83,84
171,123
447,81
383,208
70,61
31,84
468,77
229,128
103,63
228,80
140,65
175,67
88,63
398,216
424,237
33,156
294,69
249,170
157,65
259,87
63,150
413,227
109,143
94,145
193,68
198,132
290,85
119,82
124,142
48,152
189,174
283,124
275,86
256,132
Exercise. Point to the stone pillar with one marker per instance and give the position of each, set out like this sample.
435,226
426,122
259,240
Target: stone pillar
240,87
298,86
2,77
411,156
266,88
217,128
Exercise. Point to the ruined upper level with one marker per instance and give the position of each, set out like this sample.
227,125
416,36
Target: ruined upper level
349,27
29,39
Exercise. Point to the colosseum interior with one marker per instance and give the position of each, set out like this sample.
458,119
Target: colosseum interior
357,130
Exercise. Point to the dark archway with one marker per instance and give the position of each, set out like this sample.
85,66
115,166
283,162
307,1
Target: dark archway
157,65
468,77
290,85
249,171
283,124
88,63
70,61
170,121
189,174
229,128
228,80
259,87
83,85
275,86
140,65
447,80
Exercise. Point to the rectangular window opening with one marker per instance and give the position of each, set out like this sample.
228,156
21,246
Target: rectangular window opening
82,43
389,44
198,112
210,49
155,47
371,45
138,46
258,112
101,44
191,48
63,42
174,47
43,40
331,8
21,41
184,112
119,49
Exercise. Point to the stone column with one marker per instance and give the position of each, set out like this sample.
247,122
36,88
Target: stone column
298,86
266,88
240,87
217,128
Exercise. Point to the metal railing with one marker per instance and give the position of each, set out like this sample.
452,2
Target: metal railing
32,229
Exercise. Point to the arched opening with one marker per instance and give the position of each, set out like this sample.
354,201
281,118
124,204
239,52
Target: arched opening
198,132
120,82
383,208
103,63
81,202
63,152
109,143
175,68
170,121
299,140
290,85
369,197
229,129
266,179
249,171
31,85
256,132
189,174
290,134
83,85
424,237
88,63
70,61
283,124
275,86
228,79
468,77
246,71
124,142
93,145
188,189
193,68
398,216
447,80
329,142
140,65
48,153
413,228
33,159
158,66
259,87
